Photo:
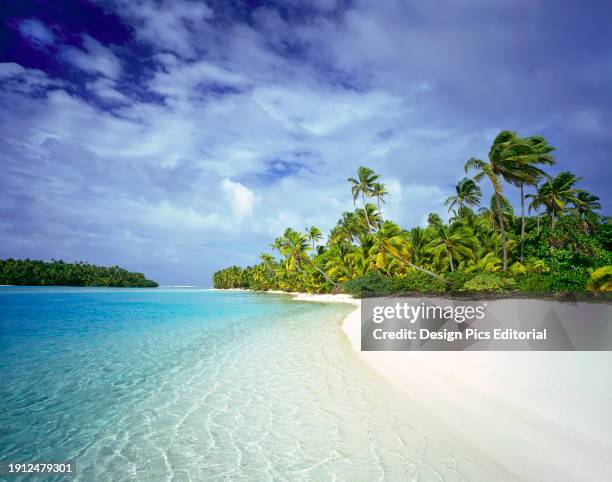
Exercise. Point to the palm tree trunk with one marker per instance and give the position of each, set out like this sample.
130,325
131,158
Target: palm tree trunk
327,278
365,211
522,225
538,217
450,258
418,268
502,232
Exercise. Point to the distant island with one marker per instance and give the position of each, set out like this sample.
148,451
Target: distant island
563,248
27,272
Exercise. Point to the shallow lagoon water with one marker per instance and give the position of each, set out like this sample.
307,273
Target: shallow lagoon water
205,385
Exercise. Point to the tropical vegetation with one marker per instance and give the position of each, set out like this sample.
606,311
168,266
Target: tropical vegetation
558,243
27,272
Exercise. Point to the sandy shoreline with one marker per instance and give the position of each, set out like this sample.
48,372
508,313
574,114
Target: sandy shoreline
532,412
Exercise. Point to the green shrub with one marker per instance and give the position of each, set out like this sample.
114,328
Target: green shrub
603,235
490,282
458,278
417,282
372,284
533,282
574,281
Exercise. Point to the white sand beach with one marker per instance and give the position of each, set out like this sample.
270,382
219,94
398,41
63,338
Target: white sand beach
541,415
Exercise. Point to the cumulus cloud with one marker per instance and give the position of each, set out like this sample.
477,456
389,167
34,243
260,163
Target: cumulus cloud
241,198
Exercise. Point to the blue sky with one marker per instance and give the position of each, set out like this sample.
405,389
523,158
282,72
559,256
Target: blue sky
177,137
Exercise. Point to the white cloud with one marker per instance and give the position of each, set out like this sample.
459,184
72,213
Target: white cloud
36,31
18,79
186,79
241,198
95,58
174,216
106,89
168,24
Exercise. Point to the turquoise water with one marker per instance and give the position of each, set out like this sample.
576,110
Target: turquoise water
184,384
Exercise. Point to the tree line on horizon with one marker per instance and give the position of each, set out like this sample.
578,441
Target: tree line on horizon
560,245
27,272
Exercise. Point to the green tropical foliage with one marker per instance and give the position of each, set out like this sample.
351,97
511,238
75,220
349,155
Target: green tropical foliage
601,280
478,248
26,272
489,282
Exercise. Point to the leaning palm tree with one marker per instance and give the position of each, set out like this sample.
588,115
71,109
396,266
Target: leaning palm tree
506,163
391,242
368,216
491,213
364,186
468,193
313,234
558,192
294,249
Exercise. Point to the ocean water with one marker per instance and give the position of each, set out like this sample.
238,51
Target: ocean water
189,384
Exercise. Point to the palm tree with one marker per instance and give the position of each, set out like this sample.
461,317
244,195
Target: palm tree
277,245
434,220
368,215
347,229
507,162
295,248
537,151
390,241
364,185
558,192
419,238
491,213
585,210
468,193
313,234
456,241
536,203
268,262
379,192
337,262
